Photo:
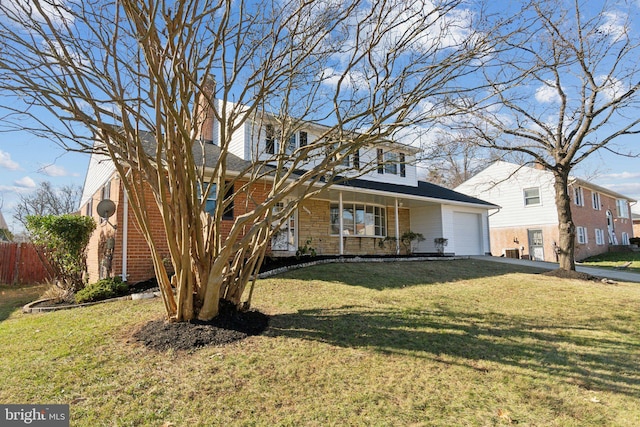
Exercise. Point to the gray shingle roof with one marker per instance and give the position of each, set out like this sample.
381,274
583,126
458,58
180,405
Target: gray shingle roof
424,189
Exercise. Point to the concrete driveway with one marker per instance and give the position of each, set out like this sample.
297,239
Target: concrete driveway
619,275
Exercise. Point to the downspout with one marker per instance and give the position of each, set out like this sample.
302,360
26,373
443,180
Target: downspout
397,229
340,222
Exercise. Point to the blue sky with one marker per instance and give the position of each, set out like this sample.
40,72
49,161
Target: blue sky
26,160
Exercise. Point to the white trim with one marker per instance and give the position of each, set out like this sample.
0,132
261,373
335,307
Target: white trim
340,221
397,228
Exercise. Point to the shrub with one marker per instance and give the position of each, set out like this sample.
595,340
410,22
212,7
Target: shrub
635,241
102,289
62,241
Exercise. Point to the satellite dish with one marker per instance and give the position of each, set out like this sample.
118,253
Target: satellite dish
106,208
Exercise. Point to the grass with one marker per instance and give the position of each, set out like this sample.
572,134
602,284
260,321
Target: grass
12,297
464,343
614,259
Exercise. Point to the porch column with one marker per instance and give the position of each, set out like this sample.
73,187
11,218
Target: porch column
341,225
397,229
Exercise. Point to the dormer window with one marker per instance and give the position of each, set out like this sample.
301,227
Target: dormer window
578,196
391,162
270,141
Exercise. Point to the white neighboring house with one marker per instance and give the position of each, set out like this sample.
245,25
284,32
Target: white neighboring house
350,218
526,225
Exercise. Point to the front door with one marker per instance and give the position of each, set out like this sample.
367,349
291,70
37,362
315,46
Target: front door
284,239
536,245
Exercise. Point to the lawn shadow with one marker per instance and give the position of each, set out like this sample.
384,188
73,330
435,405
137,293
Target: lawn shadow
390,275
539,348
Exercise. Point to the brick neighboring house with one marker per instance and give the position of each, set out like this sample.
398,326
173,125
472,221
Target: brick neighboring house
636,224
386,201
526,225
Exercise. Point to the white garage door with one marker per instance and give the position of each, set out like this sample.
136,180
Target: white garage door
467,233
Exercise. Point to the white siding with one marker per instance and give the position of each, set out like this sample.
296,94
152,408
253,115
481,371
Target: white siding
100,170
427,221
503,184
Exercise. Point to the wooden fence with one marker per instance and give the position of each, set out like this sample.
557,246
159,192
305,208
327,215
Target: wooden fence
20,263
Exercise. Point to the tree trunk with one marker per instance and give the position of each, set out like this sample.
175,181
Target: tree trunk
566,227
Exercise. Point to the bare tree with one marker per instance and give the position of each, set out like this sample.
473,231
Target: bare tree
161,69
48,200
562,87
453,158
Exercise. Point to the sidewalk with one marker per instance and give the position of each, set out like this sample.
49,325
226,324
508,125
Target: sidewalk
619,275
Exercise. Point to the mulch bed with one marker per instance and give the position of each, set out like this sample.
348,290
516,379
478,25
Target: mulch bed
567,274
229,326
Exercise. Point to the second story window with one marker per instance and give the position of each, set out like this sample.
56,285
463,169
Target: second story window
270,140
391,163
380,159
531,196
578,196
595,201
622,208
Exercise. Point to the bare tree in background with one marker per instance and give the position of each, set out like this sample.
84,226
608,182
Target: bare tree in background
453,159
562,87
134,68
47,200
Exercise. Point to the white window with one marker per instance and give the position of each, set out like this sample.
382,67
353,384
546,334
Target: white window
599,236
391,163
581,233
106,190
89,209
531,196
359,220
271,141
625,238
595,201
622,208
578,196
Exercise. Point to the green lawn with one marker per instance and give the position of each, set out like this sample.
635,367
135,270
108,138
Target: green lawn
615,259
446,343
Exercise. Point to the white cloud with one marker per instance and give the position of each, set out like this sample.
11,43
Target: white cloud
614,25
622,175
611,88
548,93
25,182
54,170
6,162
55,10
352,80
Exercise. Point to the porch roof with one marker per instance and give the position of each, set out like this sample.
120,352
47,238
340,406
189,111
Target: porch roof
423,192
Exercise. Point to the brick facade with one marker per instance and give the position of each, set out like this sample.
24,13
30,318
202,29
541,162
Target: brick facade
105,259
584,215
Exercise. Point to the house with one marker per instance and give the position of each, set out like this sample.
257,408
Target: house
526,224
636,224
350,218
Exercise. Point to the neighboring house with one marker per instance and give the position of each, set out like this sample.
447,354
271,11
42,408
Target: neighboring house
387,201
526,225
636,224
